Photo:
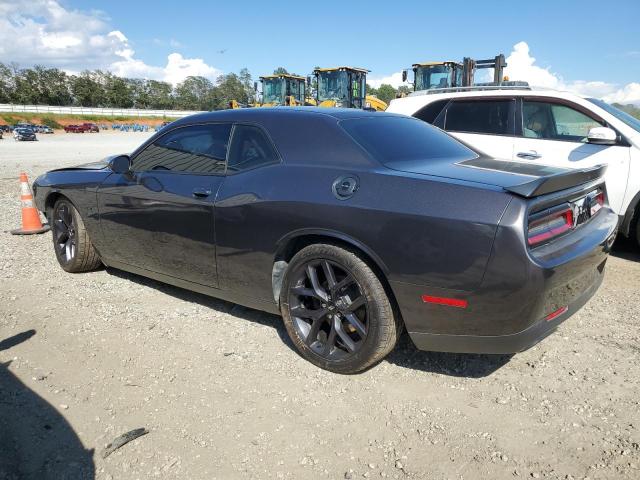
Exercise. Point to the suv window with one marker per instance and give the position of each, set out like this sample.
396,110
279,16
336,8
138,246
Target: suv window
479,116
555,122
193,149
250,148
430,112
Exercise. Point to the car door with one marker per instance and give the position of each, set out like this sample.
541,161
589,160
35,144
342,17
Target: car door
554,132
487,124
159,216
244,212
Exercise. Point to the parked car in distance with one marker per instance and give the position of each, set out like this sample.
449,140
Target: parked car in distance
91,127
543,127
46,129
353,225
74,129
5,128
24,134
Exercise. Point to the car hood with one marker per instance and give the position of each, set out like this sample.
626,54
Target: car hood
99,165
525,179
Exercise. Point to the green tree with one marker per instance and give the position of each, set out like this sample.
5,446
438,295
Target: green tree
386,93
160,95
195,93
280,71
229,87
7,83
87,89
117,92
247,82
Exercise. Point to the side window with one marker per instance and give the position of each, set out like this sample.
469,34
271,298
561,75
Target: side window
555,122
250,148
430,112
481,116
193,149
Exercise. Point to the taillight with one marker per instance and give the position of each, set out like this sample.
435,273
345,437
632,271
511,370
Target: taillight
597,203
549,225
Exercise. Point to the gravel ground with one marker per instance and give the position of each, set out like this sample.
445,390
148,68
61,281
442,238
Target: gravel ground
87,357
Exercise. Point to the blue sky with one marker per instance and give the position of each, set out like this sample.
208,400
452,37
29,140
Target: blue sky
579,39
589,46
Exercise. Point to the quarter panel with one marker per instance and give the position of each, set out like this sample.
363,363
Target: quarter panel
424,232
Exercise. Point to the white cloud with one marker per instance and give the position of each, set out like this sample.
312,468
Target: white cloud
521,66
46,33
395,80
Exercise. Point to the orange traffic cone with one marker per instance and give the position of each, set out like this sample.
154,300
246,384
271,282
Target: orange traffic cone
30,217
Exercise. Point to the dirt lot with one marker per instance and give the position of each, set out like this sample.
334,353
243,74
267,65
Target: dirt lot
84,358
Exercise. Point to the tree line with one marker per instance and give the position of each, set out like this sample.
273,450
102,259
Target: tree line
97,88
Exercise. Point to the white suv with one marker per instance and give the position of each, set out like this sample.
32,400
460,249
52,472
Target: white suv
542,126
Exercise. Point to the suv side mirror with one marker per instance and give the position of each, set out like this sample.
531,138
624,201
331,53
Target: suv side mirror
404,75
602,136
120,164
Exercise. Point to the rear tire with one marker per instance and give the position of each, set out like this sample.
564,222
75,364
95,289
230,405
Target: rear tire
336,310
71,243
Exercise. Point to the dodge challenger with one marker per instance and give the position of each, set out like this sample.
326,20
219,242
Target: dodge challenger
352,225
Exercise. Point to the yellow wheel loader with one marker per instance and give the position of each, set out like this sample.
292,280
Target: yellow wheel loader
278,90
451,74
345,87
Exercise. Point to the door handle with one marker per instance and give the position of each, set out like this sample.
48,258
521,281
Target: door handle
201,192
530,155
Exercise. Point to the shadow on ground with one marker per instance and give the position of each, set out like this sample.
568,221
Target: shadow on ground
405,354
626,248
36,442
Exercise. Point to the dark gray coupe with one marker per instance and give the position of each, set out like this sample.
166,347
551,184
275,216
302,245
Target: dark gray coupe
352,225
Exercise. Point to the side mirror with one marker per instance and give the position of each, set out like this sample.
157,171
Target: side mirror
120,164
309,80
404,75
255,86
602,136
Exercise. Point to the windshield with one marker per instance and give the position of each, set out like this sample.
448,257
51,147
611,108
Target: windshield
333,86
296,89
273,91
434,76
624,117
402,142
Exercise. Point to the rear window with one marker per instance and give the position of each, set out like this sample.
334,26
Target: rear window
395,140
487,116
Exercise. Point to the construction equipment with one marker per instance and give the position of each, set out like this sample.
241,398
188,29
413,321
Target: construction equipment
345,87
282,89
277,90
451,74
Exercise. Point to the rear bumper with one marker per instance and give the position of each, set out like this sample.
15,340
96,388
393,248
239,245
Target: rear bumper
520,288
501,344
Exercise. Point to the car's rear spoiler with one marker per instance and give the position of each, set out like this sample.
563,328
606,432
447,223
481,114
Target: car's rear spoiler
557,182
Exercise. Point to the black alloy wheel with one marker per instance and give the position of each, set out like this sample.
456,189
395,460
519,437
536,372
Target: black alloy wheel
64,233
336,310
329,309
73,248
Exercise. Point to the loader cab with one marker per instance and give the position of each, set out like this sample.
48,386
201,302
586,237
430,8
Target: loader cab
341,87
430,75
282,89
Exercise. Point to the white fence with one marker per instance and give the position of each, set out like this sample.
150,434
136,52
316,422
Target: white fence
107,112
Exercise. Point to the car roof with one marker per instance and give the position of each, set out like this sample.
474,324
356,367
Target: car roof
416,100
260,113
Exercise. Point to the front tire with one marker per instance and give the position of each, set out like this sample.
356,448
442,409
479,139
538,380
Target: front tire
336,310
74,250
